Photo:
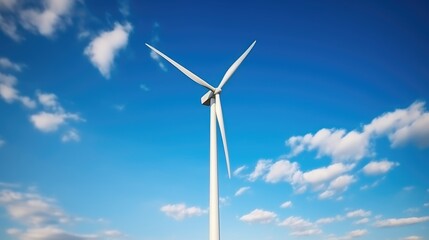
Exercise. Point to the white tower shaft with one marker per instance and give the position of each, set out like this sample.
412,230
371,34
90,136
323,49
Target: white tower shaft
212,98
214,192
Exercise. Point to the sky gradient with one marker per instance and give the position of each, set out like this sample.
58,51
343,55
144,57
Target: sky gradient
326,119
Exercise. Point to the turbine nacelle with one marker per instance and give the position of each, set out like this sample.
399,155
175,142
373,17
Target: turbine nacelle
205,99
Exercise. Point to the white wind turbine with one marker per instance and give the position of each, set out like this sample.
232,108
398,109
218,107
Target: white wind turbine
212,99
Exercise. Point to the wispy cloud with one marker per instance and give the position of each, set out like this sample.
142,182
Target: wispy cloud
119,107
329,220
44,17
2,142
144,87
408,188
10,94
71,135
103,49
5,63
397,222
286,204
413,238
351,235
241,191
259,216
181,211
372,185
154,41
360,213
238,172
362,221
124,7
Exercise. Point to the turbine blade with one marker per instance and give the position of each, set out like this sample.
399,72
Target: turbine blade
234,66
219,116
185,71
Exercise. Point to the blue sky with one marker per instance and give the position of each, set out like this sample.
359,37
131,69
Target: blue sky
326,119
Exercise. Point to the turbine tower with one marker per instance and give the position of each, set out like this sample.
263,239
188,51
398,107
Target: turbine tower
212,99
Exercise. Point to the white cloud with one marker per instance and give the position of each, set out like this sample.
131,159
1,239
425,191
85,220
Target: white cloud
8,64
10,94
360,213
239,170
7,91
50,122
324,174
351,235
103,49
53,16
241,191
335,143
71,135
306,232
397,222
357,233
408,188
340,183
424,205
55,233
41,218
402,126
330,220
413,238
181,211
283,170
259,216
380,167
31,208
417,133
362,221
286,171
287,204
300,226
49,101
262,167
48,232
2,142
114,234
54,116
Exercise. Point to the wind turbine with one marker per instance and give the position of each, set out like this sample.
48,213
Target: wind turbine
212,99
